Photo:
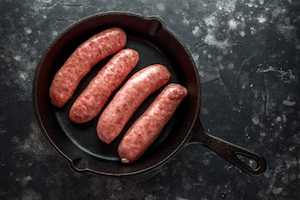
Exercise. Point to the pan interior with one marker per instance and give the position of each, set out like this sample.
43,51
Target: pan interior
78,143
84,135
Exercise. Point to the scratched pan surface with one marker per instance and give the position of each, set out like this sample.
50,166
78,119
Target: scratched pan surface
79,143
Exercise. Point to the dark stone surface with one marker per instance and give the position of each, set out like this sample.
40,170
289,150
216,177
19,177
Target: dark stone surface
248,57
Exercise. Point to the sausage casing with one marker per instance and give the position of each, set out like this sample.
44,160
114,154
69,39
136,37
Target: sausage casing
149,125
109,78
82,60
128,99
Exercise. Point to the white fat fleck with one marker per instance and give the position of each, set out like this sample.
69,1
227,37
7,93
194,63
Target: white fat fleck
160,6
27,30
232,23
17,57
44,16
261,19
255,120
261,2
196,31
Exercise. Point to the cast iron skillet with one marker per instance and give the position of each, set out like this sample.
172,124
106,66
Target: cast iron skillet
79,145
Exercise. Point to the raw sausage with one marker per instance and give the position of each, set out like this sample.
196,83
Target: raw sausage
147,128
82,60
108,79
93,98
128,99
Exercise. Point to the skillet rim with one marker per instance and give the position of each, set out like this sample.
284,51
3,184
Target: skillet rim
85,20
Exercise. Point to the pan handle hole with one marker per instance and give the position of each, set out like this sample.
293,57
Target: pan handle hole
248,161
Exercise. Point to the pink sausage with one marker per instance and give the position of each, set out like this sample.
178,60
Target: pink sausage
82,60
148,127
93,98
128,99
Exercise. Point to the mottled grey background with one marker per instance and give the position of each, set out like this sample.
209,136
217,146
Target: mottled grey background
247,52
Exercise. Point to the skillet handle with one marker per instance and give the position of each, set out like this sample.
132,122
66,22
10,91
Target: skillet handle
249,162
